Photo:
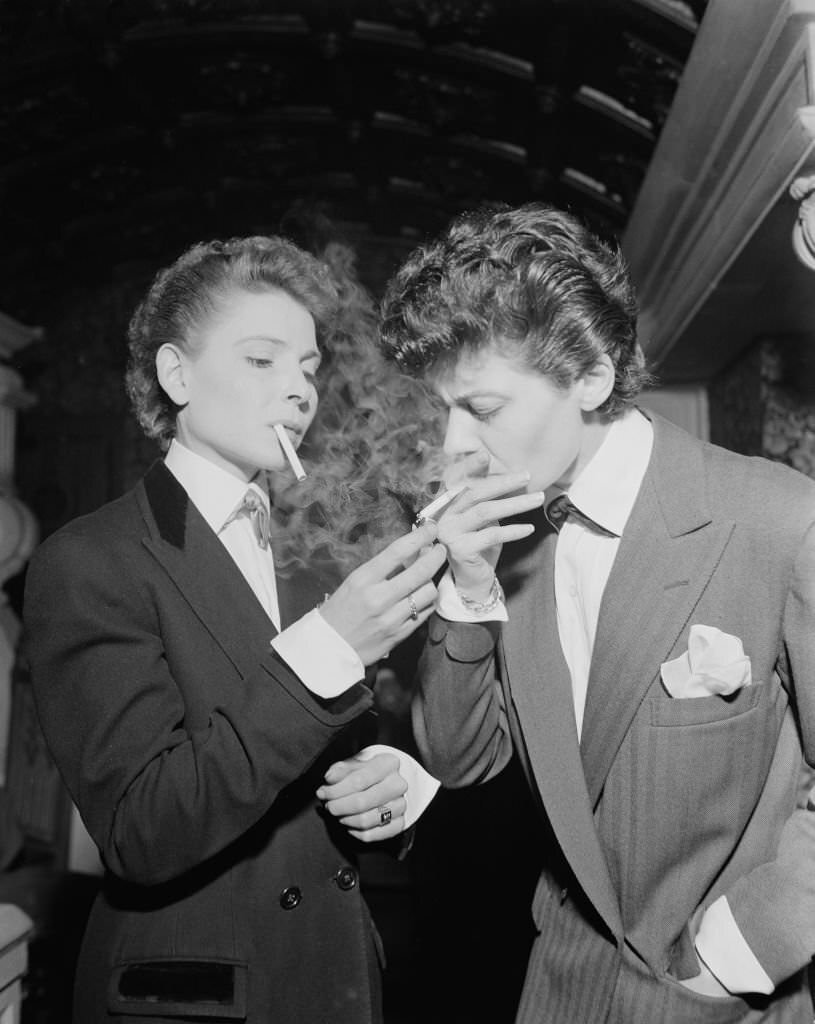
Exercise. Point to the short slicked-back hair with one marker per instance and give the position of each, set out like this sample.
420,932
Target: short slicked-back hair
529,280
185,295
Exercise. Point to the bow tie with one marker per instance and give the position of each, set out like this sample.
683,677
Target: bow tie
560,508
254,508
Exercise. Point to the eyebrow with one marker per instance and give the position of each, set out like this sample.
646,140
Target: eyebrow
281,343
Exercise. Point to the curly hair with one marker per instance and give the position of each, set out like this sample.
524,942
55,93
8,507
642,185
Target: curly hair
529,280
183,296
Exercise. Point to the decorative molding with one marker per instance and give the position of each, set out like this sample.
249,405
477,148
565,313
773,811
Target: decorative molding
19,531
18,528
737,134
674,10
803,232
13,396
15,335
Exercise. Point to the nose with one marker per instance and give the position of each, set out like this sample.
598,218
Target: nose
298,387
459,436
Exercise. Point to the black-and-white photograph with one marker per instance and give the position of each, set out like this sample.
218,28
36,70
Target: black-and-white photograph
407,511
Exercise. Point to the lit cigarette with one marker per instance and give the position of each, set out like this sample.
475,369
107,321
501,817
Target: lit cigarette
289,452
438,504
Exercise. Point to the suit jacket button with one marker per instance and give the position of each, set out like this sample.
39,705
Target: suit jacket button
290,897
346,878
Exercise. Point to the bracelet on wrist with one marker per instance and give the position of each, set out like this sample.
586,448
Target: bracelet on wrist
495,598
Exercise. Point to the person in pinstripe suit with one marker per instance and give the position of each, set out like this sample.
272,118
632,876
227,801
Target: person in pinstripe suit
643,639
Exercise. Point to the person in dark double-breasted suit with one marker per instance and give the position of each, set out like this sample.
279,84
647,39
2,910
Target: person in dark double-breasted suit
631,611
196,703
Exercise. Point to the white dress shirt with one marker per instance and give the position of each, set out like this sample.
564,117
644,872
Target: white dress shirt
322,659
605,491
318,655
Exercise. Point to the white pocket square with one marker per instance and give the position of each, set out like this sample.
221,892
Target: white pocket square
714,663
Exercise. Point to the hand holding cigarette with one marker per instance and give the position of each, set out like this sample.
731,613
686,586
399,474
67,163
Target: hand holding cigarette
471,527
382,602
438,505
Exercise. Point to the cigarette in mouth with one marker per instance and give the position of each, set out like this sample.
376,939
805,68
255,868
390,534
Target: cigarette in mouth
289,452
438,504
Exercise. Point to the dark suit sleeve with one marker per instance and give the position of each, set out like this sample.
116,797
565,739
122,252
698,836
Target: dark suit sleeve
459,718
774,905
162,785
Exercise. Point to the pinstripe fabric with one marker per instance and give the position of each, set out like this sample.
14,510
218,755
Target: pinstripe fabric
572,968
578,975
665,804
673,784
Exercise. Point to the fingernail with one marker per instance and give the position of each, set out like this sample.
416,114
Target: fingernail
320,794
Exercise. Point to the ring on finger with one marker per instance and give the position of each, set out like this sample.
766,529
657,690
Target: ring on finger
414,611
385,815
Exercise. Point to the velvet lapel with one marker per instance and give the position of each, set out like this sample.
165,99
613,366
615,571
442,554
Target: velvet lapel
202,569
541,689
667,555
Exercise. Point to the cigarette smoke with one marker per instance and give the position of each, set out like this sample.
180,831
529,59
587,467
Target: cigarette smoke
373,454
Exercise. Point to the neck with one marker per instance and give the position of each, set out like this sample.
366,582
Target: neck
595,431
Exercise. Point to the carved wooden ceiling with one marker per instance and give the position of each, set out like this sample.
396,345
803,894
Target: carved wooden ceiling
129,128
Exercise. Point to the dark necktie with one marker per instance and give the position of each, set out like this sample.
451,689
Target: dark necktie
560,508
253,507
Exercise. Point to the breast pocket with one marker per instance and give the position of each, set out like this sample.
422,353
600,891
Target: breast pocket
708,757
675,712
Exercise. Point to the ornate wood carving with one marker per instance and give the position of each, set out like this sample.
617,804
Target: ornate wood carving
131,129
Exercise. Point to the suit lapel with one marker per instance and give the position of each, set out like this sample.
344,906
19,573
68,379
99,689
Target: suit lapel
202,569
666,558
540,686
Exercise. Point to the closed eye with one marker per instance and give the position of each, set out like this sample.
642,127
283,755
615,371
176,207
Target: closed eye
483,415
260,362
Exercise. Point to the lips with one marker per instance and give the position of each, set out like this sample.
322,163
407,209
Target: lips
295,431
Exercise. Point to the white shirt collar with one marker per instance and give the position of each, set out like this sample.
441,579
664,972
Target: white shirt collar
608,486
214,492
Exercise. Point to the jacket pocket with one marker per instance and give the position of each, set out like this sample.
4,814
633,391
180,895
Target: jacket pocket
187,988
689,711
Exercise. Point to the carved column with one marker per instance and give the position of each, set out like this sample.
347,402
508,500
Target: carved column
18,527
803,232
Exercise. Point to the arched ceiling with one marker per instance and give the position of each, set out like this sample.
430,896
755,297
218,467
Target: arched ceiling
130,128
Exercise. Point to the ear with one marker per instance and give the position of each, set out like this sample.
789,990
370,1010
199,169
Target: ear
596,384
170,367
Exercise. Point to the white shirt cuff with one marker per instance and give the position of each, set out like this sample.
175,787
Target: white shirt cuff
422,786
313,650
724,949
450,606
